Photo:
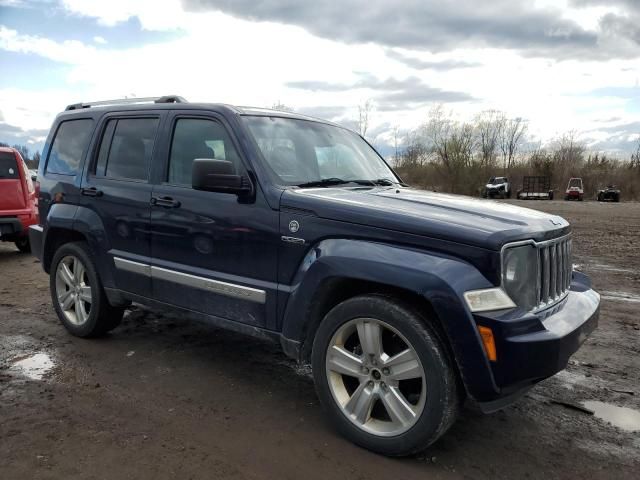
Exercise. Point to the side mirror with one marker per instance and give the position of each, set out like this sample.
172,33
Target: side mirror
214,175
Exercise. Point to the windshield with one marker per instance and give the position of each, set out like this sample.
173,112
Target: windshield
496,180
306,153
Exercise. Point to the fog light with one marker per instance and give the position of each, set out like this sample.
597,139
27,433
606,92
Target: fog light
488,342
488,299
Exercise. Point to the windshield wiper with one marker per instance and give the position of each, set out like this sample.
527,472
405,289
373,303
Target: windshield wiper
385,182
328,182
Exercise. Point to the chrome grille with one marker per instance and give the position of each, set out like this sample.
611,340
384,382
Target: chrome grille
554,270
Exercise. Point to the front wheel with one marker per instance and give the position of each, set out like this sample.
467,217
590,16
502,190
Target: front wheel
383,376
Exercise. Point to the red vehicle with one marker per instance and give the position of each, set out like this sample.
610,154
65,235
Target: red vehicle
575,190
18,199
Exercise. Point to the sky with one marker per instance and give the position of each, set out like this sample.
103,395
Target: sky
563,65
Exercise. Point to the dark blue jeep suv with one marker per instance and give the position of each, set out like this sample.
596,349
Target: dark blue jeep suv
281,226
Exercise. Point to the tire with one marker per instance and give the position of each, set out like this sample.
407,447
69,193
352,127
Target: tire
599,197
373,427
23,245
81,274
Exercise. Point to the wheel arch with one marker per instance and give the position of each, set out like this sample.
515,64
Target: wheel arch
429,282
72,223
56,237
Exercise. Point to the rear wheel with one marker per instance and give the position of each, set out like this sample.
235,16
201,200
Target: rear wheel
77,293
23,245
383,376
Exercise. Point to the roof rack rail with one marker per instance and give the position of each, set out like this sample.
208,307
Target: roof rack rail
127,101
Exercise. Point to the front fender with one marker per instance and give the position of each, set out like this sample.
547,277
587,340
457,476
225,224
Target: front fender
438,278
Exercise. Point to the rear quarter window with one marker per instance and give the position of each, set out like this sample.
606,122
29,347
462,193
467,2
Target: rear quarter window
69,146
8,166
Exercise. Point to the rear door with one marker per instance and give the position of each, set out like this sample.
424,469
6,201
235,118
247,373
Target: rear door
117,189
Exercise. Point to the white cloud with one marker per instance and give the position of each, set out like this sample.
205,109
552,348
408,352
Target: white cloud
218,58
70,51
153,14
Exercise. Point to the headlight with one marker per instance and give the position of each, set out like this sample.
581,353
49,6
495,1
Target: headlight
519,275
488,299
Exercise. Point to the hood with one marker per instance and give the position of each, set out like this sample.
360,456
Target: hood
456,218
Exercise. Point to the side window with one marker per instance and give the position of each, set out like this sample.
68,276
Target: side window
69,145
126,148
198,138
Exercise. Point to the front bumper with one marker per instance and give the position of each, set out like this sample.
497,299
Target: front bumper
532,347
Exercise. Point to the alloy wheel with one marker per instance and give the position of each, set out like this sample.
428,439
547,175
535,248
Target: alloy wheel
73,290
375,377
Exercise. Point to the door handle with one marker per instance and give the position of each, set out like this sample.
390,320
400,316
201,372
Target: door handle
91,192
166,202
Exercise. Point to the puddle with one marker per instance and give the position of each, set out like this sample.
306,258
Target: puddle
620,296
601,267
34,366
621,417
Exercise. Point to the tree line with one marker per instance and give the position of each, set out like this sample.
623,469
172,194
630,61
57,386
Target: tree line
32,159
448,155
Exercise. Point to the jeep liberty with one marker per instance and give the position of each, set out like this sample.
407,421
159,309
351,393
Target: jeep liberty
406,303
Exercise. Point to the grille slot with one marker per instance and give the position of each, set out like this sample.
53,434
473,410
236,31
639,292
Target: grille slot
554,270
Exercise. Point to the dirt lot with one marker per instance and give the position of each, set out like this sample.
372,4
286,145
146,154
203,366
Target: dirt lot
165,397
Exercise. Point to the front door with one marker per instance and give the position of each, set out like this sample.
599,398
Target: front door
213,253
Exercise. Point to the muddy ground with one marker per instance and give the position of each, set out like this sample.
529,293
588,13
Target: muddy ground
166,397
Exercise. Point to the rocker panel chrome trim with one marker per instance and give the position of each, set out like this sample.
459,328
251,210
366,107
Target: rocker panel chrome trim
133,267
210,285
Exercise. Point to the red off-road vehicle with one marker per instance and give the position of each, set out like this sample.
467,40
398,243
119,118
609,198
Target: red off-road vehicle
18,199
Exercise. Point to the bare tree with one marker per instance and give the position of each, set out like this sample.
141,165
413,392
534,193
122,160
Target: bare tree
452,144
395,131
489,125
568,153
512,135
281,107
635,156
24,152
364,114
